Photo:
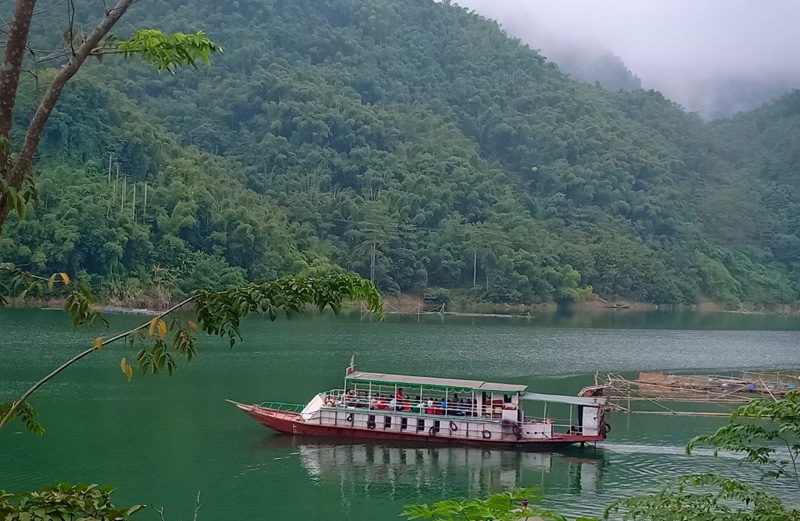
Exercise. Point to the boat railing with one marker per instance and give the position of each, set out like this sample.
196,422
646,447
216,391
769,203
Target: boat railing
340,398
281,406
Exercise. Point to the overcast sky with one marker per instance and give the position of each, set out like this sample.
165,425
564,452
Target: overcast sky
709,55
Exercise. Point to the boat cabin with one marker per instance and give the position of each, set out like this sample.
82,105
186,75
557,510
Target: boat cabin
380,405
434,396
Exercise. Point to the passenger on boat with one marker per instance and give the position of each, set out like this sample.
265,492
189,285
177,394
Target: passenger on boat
361,400
381,403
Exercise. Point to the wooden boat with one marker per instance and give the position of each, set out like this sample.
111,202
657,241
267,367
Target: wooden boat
436,410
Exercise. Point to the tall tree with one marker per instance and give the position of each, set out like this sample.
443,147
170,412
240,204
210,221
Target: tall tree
166,51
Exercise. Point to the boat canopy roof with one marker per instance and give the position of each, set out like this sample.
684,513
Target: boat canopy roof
448,383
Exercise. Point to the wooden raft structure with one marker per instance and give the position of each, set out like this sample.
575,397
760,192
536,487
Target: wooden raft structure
657,389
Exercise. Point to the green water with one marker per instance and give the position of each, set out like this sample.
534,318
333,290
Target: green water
161,439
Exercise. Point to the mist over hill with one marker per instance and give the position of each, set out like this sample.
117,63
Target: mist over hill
717,57
413,142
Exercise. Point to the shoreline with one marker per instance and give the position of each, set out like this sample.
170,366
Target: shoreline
409,305
406,304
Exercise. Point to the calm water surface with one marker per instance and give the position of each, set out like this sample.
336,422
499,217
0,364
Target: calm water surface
162,439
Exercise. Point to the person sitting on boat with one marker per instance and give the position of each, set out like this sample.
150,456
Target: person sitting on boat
443,407
381,404
361,400
393,404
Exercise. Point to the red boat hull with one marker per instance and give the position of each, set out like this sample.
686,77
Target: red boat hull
292,423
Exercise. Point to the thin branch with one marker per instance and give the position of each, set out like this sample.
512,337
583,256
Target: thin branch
29,274
54,55
197,506
40,11
159,511
77,357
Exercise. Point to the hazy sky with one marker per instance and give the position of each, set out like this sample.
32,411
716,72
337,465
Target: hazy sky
704,54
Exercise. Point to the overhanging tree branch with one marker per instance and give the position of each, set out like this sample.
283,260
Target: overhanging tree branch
82,354
24,163
220,313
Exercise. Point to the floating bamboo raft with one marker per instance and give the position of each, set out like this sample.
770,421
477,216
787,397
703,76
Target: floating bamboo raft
657,389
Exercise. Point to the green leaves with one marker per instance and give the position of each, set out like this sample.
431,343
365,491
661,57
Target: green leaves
704,497
20,283
169,51
505,506
18,199
774,441
220,313
26,414
64,501
79,306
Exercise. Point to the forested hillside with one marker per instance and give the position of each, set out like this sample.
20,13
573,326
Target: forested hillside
413,142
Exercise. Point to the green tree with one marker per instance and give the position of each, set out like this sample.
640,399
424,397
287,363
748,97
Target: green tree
767,432
167,51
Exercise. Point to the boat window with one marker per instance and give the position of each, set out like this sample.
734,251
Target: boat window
403,424
506,398
436,424
387,422
420,424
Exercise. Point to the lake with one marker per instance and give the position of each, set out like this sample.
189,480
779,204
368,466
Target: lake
160,439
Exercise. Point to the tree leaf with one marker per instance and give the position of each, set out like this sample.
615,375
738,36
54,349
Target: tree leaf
162,329
126,368
98,343
152,328
65,278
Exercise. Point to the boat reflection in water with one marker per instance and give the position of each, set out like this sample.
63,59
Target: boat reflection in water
430,473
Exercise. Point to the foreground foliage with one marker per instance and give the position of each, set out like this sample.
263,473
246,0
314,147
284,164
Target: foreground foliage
167,337
64,502
505,506
767,432
773,441
705,497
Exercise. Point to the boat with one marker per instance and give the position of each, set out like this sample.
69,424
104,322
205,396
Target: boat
391,407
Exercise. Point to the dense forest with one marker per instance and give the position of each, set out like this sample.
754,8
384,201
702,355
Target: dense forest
410,141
